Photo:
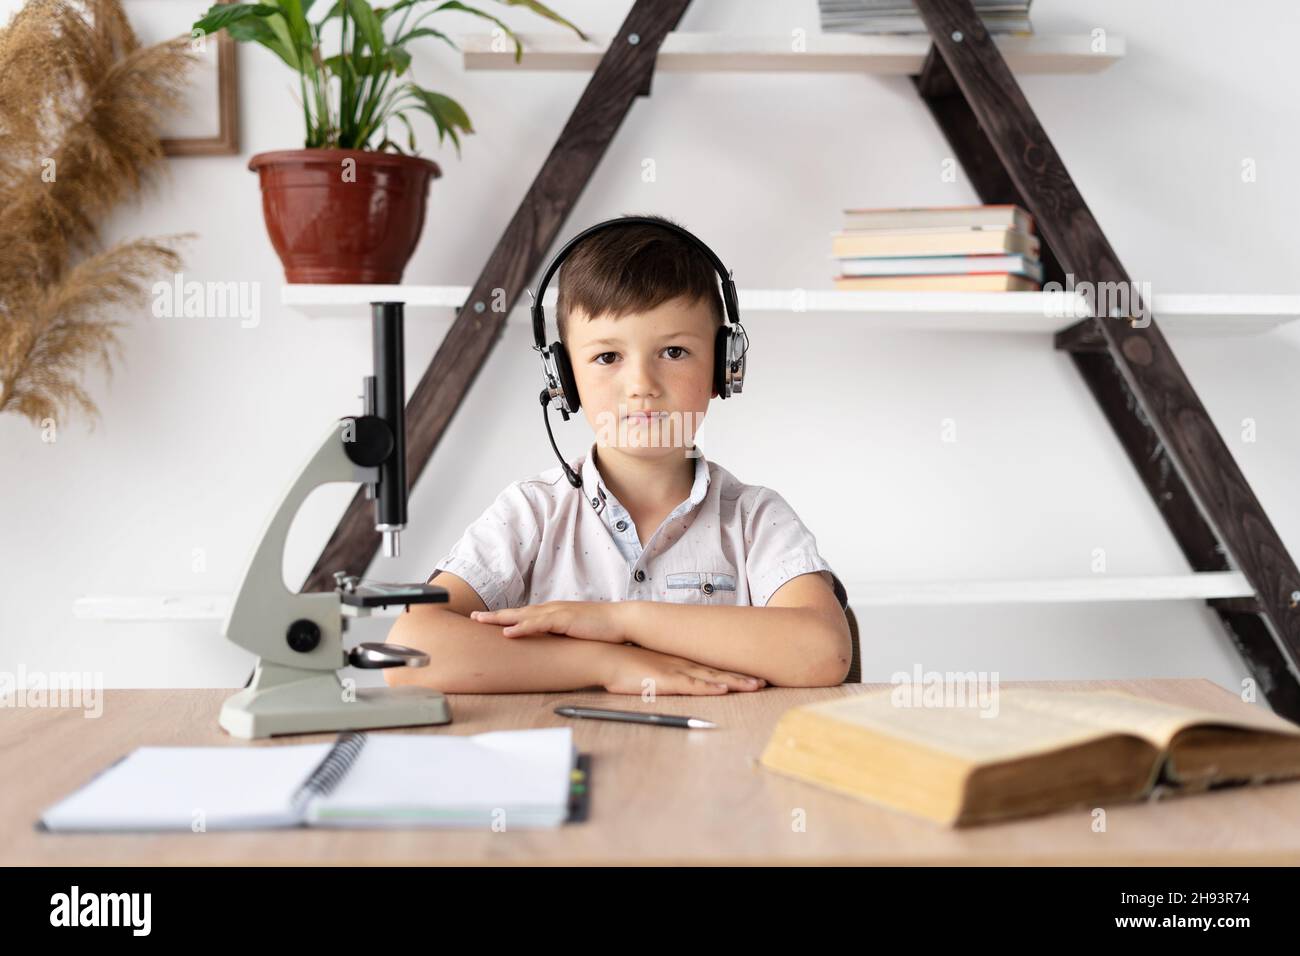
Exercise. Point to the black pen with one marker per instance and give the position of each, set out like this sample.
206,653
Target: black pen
632,716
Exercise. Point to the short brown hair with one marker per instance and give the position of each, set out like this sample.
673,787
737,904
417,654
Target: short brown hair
632,268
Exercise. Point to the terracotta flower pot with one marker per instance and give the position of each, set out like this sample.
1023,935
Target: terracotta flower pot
343,215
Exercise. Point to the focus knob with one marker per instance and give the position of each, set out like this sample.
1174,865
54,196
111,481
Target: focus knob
367,440
304,635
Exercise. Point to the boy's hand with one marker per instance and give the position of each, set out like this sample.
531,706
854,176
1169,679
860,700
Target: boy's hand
587,620
632,667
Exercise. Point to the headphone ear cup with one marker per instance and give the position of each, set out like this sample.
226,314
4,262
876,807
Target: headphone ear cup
721,349
565,371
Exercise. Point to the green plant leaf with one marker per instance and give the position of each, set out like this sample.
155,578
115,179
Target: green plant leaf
426,32
448,115
544,11
282,33
385,12
335,10
410,131
223,14
256,30
399,59
368,25
296,21
338,64
457,5
395,59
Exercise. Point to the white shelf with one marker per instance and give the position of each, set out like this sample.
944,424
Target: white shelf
882,55
1022,312
152,607
173,607
1099,588
350,301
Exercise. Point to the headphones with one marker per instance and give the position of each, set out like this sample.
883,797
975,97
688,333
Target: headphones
729,345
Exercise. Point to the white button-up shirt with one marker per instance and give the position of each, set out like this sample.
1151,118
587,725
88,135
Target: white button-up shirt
544,540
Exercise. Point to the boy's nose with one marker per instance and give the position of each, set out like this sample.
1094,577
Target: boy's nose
641,382
642,393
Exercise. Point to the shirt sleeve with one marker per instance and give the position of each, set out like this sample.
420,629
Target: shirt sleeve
780,547
495,555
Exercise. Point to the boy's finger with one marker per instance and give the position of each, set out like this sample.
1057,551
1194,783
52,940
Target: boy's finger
715,681
503,618
686,684
735,681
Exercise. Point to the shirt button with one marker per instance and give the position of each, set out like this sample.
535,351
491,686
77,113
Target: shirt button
708,588
640,575
595,502
621,525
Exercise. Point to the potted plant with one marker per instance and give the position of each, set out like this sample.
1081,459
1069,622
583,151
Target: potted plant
349,207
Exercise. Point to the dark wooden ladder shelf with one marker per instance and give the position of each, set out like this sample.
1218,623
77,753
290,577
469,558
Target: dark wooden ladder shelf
1124,360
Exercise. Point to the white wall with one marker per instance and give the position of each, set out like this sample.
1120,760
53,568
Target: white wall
206,422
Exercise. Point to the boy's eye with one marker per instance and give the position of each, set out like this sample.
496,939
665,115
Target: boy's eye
669,348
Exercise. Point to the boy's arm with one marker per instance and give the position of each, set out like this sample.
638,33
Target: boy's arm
466,657
799,639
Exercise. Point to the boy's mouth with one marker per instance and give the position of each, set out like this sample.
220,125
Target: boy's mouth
643,417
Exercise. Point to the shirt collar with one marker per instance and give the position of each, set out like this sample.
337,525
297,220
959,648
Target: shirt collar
597,495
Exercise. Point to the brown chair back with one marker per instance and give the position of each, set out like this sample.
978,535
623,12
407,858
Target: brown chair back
855,664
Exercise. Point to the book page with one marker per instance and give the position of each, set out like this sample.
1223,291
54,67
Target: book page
449,779
1155,720
179,788
1009,731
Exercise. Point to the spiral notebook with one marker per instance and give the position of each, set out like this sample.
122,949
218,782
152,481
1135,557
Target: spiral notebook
506,778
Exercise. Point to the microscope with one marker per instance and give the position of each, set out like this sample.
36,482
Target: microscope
298,638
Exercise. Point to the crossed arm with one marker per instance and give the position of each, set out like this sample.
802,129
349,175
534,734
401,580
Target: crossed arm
800,639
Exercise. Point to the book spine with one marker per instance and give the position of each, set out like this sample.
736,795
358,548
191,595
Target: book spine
330,771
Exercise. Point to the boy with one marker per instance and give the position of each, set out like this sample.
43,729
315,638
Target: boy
662,567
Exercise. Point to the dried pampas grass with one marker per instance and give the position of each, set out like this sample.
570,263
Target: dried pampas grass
80,106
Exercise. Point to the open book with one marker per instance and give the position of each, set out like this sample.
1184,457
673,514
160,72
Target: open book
1030,752
508,779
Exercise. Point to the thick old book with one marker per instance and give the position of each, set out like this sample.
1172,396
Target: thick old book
969,759
1004,216
964,242
975,282
942,265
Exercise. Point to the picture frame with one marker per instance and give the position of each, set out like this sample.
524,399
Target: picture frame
209,125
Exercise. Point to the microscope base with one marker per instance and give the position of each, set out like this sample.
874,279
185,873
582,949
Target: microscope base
292,700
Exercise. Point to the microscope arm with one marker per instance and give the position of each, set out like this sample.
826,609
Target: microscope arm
267,618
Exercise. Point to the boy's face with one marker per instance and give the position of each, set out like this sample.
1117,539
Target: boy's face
659,361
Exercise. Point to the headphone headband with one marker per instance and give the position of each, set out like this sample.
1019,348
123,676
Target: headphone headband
729,301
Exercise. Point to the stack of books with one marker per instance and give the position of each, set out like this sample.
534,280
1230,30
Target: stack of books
900,16
938,249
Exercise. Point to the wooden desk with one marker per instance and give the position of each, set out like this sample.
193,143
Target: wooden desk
659,795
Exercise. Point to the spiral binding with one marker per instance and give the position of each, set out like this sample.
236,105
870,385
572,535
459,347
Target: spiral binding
330,771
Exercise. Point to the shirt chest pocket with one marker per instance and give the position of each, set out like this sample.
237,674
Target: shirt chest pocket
701,587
